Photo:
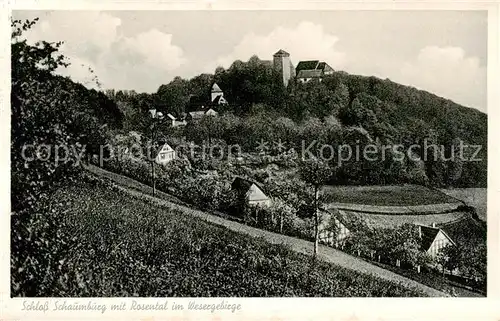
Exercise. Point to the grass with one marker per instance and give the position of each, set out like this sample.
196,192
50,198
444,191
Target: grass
405,195
121,246
431,279
393,221
476,197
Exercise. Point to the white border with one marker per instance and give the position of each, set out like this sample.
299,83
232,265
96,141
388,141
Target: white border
277,308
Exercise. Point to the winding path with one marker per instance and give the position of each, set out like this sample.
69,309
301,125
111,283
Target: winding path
327,254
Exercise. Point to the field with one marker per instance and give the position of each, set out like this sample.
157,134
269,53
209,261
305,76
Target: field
122,246
405,195
476,197
381,220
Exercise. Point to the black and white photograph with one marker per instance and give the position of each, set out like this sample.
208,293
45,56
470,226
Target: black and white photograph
247,153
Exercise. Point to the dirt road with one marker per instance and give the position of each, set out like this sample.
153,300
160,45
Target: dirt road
327,254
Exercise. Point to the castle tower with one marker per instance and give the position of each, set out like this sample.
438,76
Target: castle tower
283,65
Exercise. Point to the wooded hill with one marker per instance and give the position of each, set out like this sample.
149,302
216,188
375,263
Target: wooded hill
383,109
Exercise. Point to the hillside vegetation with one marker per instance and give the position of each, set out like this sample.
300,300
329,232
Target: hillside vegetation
342,109
111,245
60,235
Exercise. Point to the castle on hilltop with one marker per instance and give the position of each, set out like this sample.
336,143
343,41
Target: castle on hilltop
305,71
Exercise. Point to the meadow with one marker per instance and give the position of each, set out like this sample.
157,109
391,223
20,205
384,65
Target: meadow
391,195
476,197
120,246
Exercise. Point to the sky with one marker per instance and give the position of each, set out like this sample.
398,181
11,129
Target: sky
444,52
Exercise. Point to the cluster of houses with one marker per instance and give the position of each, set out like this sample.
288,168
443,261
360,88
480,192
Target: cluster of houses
434,235
305,71
436,231
202,109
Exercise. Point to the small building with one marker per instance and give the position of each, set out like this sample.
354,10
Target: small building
433,239
174,122
165,154
312,69
217,96
250,192
201,112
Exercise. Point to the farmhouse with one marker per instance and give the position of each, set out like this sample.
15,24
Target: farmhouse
250,192
174,122
433,239
165,154
217,96
201,112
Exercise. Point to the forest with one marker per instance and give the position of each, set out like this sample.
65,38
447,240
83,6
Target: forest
341,109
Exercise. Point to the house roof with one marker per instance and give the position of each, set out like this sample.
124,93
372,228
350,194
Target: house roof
216,88
197,114
342,216
163,148
243,184
321,65
309,74
307,65
171,116
428,236
282,52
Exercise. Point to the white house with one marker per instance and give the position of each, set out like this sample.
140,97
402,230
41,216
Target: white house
203,111
174,122
251,192
217,96
211,112
433,239
165,154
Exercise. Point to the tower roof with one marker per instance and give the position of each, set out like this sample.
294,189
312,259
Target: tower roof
216,88
282,52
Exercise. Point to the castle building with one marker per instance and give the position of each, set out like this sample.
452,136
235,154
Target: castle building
283,65
312,69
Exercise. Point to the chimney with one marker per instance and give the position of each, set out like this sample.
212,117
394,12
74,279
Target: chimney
434,225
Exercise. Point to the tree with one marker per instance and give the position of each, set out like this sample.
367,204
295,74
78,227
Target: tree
211,127
36,116
449,258
315,173
47,111
173,97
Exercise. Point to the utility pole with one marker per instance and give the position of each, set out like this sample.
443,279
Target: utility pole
155,116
